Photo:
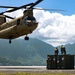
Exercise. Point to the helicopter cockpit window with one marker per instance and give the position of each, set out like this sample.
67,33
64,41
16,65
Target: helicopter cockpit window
30,18
33,19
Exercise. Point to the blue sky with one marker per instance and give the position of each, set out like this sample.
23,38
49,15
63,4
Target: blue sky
55,28
67,5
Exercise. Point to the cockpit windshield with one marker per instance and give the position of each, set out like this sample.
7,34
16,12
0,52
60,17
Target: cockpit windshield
30,18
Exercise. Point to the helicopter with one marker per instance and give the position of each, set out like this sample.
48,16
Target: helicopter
20,26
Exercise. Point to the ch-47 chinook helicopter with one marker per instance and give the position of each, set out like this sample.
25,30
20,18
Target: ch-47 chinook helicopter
20,26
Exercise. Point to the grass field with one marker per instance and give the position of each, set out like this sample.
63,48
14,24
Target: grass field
23,73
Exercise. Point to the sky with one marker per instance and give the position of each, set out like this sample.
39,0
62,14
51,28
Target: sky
55,27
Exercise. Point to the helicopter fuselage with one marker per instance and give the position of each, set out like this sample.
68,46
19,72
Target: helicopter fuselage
17,27
23,25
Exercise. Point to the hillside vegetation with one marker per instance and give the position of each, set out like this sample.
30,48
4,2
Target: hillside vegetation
32,52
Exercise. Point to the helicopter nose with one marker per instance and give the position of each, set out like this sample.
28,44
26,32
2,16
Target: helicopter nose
29,24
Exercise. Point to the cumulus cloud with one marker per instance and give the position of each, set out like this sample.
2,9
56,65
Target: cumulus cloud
53,28
14,14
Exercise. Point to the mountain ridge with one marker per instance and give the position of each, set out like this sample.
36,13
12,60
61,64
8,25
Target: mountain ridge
32,52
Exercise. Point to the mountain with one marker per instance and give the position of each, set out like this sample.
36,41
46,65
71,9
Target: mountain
6,62
32,52
70,48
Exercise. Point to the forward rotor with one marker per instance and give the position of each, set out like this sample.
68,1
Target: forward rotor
31,7
17,8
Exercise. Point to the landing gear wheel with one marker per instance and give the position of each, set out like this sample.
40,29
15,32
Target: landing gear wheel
26,38
9,41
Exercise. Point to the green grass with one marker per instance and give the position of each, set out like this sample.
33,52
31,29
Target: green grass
24,73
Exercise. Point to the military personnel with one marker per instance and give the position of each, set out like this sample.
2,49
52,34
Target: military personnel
63,51
56,51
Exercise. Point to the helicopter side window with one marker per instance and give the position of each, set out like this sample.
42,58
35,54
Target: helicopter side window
18,21
4,19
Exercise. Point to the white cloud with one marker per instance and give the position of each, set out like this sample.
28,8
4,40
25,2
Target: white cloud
14,14
53,28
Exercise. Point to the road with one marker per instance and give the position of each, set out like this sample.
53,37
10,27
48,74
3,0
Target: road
32,69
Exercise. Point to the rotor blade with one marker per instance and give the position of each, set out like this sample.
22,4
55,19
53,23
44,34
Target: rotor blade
49,9
8,7
37,2
24,6
8,17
